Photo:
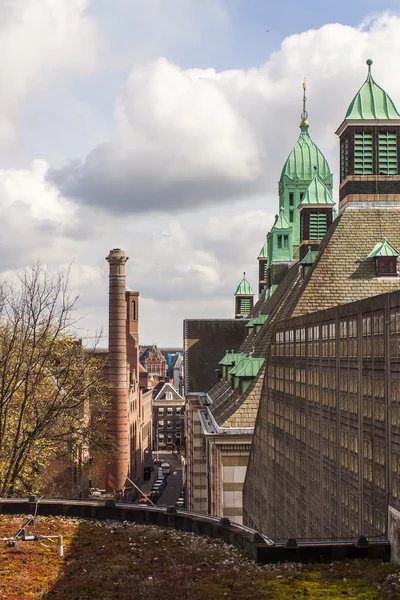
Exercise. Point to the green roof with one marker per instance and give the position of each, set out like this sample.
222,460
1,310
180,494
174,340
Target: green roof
383,248
310,257
244,288
251,367
317,193
260,320
250,323
281,221
263,251
371,102
239,364
230,358
304,157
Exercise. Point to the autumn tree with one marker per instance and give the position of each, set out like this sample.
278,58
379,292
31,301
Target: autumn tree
53,392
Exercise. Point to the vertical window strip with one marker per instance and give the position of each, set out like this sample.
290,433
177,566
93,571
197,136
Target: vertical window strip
318,226
363,156
388,153
344,158
244,306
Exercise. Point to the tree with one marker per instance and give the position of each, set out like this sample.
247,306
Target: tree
53,392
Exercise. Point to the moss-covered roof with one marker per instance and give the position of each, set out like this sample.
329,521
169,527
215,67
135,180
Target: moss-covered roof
371,102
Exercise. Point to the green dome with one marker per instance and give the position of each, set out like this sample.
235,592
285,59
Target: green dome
371,102
304,157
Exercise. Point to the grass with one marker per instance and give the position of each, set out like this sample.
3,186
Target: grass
110,561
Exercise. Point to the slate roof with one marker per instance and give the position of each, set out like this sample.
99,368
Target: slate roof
229,407
342,272
167,387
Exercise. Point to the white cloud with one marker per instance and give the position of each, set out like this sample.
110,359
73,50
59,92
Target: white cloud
205,149
185,138
39,39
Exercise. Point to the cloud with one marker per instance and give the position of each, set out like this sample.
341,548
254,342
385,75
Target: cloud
185,138
39,41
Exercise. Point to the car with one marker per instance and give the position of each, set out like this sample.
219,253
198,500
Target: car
161,482
180,503
157,487
166,468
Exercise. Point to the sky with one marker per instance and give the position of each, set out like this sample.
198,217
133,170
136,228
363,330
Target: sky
161,127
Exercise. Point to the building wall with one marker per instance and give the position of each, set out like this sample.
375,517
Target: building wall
168,424
196,463
326,454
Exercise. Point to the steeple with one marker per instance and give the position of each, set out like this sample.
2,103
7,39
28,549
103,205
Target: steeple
369,153
297,173
244,299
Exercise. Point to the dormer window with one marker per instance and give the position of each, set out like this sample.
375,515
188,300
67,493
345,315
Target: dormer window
387,266
385,257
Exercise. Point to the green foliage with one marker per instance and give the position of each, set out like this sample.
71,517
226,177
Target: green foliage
53,393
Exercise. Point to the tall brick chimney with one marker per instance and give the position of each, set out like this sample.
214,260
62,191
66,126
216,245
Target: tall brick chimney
118,425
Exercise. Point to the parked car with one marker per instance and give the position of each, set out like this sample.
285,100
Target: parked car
166,468
157,487
161,481
180,503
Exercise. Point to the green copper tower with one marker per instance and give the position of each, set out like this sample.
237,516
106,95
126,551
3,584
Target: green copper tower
303,163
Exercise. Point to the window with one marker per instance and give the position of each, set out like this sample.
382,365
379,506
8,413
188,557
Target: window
161,424
179,410
279,241
168,396
133,305
387,154
344,158
169,424
291,199
387,266
170,411
285,242
363,164
291,216
161,411
178,424
245,306
318,226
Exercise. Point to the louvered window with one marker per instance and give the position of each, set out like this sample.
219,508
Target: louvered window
318,226
245,306
344,158
363,164
388,154
265,270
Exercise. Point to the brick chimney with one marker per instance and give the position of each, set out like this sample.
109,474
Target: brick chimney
118,425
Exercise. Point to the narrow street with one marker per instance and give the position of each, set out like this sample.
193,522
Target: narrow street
172,490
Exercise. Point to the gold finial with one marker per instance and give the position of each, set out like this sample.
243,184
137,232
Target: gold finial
304,114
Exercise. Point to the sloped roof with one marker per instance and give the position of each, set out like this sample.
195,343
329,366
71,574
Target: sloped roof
244,288
371,102
263,251
230,358
260,320
342,271
167,387
281,221
310,257
383,248
251,367
317,194
304,157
